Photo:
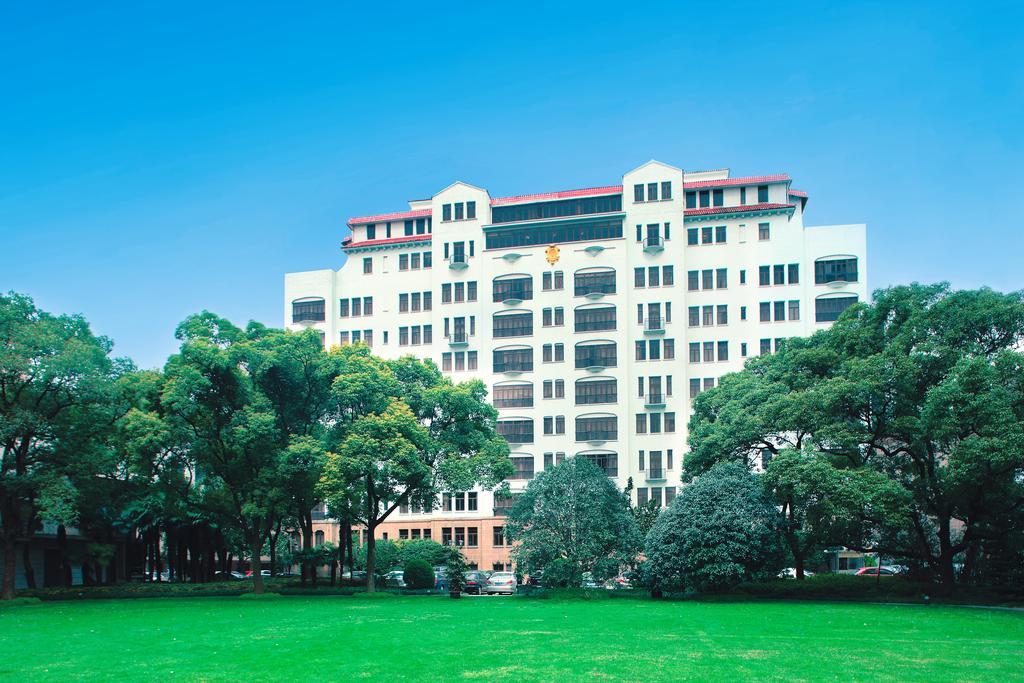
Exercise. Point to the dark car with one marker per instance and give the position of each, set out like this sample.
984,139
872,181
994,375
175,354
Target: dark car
475,582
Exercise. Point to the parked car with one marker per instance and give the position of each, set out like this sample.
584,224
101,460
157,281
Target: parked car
617,583
876,571
475,582
395,579
536,579
588,581
228,576
440,579
790,573
501,582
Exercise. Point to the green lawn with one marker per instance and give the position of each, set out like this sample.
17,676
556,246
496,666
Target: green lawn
340,638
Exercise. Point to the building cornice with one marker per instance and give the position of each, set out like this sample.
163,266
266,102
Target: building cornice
694,215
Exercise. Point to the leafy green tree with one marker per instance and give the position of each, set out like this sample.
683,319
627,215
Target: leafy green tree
403,433
573,512
431,552
923,386
720,531
228,427
57,406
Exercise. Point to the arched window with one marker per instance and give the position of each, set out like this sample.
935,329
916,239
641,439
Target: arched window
599,280
513,324
595,317
597,427
608,461
827,308
839,268
308,309
512,395
516,429
596,353
516,287
318,538
592,390
513,359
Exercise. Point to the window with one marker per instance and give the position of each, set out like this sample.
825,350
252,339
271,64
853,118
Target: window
459,209
446,362
653,276
668,276
693,280
638,192
608,462
709,352
367,265
723,350
766,311
513,395
513,288
766,346
794,273
794,309
762,194
764,276
367,305
516,430
692,236
693,316
639,277
371,231
722,278
705,198
416,301
652,192
591,391
641,350
596,318
601,354
471,358
513,360
473,536
310,310
343,308
428,259
408,228
718,197
709,315
403,303
470,210
641,423
835,270
597,428
403,336
666,190
706,235
763,231
523,467
743,277
579,206
403,262
554,233
446,293
743,312
720,233
553,317
723,314
513,325
446,212
828,309
780,311
498,536
743,196
694,388
779,275
595,282
743,349
694,352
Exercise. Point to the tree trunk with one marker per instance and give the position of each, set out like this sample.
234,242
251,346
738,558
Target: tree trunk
371,559
798,560
256,548
7,591
62,547
946,554
26,563
307,545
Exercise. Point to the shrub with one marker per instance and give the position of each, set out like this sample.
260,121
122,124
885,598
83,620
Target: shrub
418,574
432,552
455,571
561,573
720,531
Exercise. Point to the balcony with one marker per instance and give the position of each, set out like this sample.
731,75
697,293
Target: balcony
513,367
458,339
654,244
654,326
597,436
458,262
654,400
655,474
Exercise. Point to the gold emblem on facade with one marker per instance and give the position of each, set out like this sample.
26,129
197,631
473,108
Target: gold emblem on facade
552,254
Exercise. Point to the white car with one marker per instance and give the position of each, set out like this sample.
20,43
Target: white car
790,573
501,582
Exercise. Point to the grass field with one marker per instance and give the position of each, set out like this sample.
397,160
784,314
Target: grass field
433,638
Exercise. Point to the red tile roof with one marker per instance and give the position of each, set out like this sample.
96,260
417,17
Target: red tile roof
798,193
731,182
347,243
383,217
711,210
564,194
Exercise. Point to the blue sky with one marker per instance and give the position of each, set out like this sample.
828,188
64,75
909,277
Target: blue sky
159,159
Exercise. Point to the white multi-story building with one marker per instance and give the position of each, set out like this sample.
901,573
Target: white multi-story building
594,316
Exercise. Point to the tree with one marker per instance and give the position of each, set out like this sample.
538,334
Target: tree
403,433
418,574
228,428
823,505
56,407
923,387
720,531
573,512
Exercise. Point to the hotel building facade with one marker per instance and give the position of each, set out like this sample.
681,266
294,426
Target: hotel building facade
594,316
